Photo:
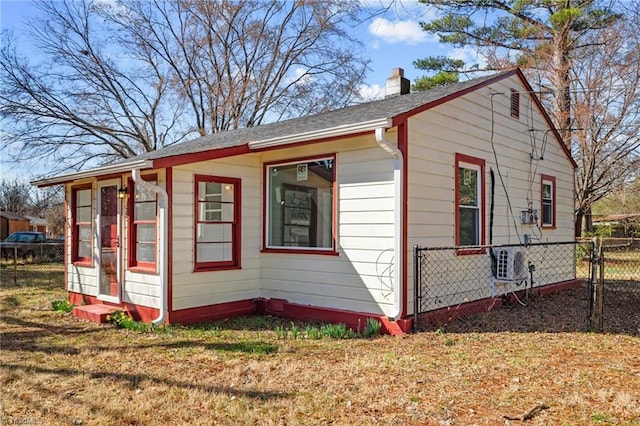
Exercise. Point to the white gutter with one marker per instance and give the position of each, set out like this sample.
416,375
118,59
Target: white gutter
342,130
398,168
104,170
163,224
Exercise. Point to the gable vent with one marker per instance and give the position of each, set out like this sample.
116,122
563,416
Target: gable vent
515,103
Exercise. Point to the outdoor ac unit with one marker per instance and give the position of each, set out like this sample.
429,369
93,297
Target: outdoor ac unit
511,264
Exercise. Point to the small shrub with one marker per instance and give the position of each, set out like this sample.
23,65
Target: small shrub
62,305
372,328
336,331
281,332
313,333
294,331
122,320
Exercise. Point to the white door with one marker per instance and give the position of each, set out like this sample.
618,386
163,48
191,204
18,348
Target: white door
109,229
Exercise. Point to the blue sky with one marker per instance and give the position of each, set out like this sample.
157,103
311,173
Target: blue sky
392,39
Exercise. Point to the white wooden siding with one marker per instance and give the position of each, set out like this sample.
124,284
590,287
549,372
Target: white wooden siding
358,279
81,279
464,125
193,289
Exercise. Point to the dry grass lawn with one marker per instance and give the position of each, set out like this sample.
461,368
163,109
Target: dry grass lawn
60,370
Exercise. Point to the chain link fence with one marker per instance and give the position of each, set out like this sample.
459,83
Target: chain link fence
616,292
451,282
36,264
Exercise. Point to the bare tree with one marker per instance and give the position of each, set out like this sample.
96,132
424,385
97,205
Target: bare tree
117,79
81,101
607,118
15,196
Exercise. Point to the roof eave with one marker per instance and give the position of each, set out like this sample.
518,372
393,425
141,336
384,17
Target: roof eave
99,171
332,132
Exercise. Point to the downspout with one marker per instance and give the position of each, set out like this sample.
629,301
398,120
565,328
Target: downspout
163,224
398,169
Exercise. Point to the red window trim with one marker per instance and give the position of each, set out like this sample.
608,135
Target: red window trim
552,180
332,251
462,158
132,262
236,228
75,234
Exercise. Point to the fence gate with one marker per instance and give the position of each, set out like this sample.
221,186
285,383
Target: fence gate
458,279
616,291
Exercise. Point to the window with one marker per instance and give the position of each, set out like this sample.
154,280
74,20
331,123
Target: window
81,211
300,214
548,202
515,103
469,201
143,231
217,231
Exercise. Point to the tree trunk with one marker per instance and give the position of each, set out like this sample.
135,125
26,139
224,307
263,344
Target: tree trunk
578,224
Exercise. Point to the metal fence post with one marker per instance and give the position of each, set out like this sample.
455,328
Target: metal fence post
596,300
416,285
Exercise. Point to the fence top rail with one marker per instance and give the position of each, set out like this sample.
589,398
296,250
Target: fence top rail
417,247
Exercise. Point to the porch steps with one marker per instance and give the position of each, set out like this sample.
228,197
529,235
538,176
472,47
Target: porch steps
94,313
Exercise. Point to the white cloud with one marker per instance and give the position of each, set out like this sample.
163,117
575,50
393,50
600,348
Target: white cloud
469,55
300,76
370,92
400,31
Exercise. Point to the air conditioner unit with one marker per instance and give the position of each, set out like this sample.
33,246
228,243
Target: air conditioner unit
511,264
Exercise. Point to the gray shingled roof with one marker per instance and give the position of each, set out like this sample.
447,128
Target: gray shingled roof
12,216
381,109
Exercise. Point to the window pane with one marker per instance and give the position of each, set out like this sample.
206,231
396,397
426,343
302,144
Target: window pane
144,195
84,249
468,190
209,191
146,252
145,211
212,232
469,226
146,233
547,215
83,197
84,232
83,214
216,212
546,191
300,204
215,252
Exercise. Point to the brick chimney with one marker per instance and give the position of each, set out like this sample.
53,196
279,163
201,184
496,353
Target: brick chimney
397,84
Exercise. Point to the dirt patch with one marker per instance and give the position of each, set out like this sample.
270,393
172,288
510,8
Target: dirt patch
566,311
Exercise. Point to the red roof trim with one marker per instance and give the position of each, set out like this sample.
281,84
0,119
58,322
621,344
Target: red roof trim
399,118
195,157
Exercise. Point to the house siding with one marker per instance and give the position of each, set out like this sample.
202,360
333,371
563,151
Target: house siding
194,289
464,125
358,278
80,278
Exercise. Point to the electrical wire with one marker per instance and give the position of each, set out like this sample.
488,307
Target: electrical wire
495,156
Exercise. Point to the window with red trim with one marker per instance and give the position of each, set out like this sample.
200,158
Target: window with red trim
300,213
548,201
81,228
143,225
469,201
217,230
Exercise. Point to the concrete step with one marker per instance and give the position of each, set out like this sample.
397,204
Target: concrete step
94,313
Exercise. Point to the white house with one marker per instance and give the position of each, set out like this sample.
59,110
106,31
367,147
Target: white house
315,217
